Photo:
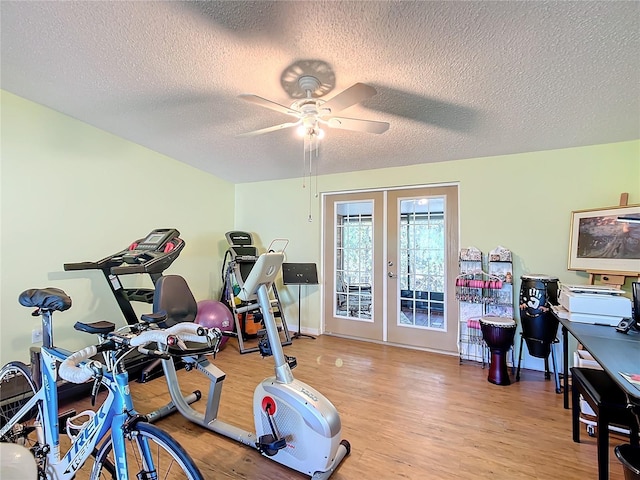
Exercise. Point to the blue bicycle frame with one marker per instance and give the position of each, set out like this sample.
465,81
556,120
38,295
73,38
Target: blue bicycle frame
114,415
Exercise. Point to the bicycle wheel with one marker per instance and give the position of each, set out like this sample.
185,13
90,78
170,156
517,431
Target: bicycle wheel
16,389
170,460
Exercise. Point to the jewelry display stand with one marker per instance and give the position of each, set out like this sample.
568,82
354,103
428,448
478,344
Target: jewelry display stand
480,294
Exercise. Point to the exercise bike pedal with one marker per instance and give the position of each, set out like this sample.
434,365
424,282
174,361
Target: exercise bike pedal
292,361
270,445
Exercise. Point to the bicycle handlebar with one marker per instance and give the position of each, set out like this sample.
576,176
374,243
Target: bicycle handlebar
175,336
70,371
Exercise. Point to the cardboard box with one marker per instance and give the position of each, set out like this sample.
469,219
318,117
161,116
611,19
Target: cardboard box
583,359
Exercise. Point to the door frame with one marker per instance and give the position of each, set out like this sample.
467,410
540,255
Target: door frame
326,283
373,329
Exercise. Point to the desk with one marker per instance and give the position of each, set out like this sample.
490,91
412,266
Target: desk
615,352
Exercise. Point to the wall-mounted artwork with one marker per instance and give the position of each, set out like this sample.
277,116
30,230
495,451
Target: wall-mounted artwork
606,240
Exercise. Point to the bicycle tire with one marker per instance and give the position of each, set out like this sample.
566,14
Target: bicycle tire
16,389
161,443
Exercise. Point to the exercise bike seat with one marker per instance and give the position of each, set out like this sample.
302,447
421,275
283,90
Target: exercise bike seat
174,298
173,295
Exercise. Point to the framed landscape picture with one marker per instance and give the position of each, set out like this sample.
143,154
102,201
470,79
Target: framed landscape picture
606,240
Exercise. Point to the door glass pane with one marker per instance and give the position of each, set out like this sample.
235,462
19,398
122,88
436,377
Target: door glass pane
421,271
354,260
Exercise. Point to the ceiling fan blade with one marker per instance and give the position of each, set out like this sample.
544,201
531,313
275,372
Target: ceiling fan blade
268,129
352,95
369,126
263,102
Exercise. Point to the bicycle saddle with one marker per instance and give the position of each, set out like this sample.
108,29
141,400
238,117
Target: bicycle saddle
49,298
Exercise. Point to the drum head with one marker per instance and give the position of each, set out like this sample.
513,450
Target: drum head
543,278
503,322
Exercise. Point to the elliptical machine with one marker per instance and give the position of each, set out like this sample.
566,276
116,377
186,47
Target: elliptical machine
295,424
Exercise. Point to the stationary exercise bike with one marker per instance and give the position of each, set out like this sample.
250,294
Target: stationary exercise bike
295,424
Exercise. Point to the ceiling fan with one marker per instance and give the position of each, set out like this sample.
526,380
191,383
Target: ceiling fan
311,112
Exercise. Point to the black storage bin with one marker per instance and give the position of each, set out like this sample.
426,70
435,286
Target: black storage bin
629,456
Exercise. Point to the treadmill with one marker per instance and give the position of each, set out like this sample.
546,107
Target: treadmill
150,255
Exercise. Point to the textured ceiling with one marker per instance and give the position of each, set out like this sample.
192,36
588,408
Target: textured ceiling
454,79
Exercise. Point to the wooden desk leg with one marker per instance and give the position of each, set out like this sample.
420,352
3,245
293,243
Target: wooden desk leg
565,371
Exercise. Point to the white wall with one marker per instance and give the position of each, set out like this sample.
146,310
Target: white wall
71,193
522,202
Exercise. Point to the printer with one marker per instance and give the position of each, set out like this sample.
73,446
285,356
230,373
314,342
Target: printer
595,304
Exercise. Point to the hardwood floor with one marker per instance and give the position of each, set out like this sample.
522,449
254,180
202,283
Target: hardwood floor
407,414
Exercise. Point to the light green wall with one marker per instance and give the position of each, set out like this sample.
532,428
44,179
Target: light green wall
522,202
70,193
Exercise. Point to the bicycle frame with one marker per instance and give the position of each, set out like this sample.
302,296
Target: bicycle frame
113,414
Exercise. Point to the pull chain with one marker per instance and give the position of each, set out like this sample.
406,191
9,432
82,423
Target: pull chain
310,142
309,217
316,172
304,160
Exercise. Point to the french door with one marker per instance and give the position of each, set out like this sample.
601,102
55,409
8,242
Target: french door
390,261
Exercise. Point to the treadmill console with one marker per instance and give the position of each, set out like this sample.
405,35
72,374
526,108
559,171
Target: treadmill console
241,246
152,254
156,240
157,244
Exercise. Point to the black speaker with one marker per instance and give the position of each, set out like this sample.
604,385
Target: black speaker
627,324
635,290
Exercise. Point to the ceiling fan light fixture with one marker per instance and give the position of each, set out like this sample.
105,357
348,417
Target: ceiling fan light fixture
311,132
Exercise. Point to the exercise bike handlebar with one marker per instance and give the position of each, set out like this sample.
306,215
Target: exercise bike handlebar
183,331
74,370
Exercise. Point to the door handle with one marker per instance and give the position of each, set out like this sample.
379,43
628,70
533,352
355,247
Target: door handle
392,275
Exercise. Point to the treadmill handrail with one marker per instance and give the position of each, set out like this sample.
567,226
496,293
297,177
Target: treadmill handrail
116,265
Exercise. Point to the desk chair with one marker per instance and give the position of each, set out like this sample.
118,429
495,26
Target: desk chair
609,404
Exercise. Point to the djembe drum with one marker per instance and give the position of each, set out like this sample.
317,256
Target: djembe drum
498,333
539,325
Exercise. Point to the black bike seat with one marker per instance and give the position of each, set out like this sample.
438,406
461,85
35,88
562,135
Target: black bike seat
49,298
95,327
157,317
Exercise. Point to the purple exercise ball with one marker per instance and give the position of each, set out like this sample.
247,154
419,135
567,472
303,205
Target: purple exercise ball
214,314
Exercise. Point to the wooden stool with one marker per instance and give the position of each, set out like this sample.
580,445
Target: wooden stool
608,402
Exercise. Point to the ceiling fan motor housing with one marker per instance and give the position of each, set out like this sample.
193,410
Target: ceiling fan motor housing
309,85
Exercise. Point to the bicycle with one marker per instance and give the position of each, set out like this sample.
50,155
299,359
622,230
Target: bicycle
124,445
